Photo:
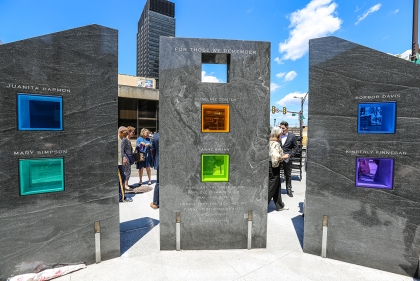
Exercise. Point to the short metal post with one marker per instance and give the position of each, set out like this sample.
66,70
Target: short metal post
178,231
249,230
98,241
324,237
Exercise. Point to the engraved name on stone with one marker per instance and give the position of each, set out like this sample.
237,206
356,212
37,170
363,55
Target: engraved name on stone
214,149
377,97
39,152
377,152
37,88
215,50
215,99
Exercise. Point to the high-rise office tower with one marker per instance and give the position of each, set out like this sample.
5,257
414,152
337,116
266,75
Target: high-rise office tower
157,19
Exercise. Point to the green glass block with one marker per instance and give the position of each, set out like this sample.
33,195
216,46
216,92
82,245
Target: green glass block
214,167
41,175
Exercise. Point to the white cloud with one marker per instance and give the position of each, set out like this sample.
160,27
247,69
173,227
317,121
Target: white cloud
274,87
405,55
209,78
396,11
278,60
290,100
290,75
280,75
371,10
317,19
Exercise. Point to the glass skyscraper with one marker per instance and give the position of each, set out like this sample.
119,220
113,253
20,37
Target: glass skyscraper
157,19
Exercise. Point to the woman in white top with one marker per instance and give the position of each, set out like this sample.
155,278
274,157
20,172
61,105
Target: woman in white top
276,156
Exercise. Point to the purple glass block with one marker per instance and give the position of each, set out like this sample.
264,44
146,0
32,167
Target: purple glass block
375,172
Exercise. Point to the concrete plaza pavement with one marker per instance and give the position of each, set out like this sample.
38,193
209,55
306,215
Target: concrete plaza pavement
283,259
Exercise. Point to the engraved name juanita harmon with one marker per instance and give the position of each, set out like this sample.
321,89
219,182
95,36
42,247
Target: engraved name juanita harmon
36,88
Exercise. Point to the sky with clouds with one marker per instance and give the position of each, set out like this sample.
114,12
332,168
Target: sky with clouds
384,25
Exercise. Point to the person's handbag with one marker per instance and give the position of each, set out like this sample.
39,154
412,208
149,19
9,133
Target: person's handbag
136,156
139,156
130,159
142,156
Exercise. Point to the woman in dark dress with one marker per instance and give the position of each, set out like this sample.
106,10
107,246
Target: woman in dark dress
143,144
126,151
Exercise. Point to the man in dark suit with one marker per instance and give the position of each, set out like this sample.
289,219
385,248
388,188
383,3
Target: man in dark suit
289,145
155,152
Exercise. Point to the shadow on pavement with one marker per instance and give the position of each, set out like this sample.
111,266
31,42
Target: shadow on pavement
132,231
298,225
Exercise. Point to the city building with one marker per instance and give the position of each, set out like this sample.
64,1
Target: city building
157,19
138,102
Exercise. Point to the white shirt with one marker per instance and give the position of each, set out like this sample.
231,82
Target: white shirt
283,138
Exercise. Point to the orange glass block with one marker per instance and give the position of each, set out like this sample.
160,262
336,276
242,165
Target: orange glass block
215,118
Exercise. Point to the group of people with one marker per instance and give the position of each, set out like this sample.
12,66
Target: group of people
146,145
283,146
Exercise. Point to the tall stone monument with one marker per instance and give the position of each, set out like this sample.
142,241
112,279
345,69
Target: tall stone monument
58,150
214,144
363,195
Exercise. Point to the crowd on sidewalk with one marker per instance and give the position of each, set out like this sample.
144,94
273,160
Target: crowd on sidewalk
145,156
282,146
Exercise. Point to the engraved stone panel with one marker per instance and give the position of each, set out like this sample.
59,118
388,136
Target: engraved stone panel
65,141
373,217
213,164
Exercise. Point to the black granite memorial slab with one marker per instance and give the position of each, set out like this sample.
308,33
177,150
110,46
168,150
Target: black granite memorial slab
58,149
363,157
214,144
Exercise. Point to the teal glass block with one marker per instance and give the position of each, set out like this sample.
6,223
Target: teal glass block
214,167
41,175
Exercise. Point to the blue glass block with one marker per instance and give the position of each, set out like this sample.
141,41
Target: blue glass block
41,175
375,172
215,167
37,112
377,117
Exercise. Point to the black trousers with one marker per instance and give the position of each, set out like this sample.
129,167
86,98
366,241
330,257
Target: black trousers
287,169
274,186
119,183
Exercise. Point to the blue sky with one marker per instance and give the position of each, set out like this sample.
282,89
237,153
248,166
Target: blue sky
384,25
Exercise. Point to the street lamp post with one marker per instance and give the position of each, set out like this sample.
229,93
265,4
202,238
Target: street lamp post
302,101
274,122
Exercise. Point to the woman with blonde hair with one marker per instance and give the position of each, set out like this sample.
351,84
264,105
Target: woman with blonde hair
275,157
143,144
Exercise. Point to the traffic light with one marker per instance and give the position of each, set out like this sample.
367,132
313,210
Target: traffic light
273,109
284,110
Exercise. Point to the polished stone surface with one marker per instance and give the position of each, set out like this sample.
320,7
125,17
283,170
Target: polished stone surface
378,228
213,215
81,66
